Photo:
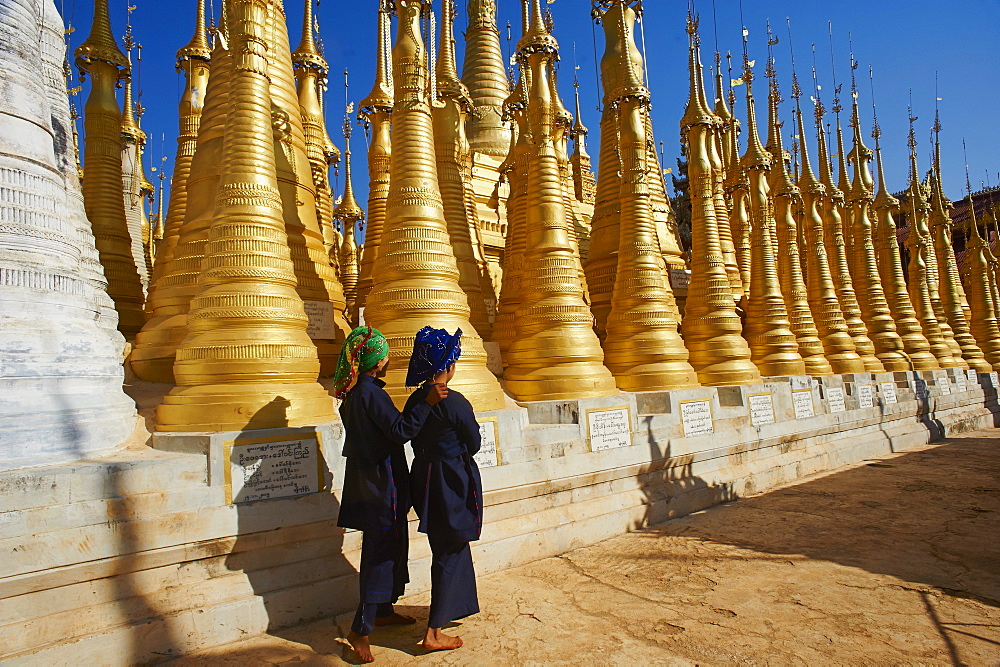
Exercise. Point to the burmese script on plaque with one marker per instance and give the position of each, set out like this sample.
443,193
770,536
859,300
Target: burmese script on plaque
696,417
943,385
489,451
802,402
321,325
960,383
835,397
269,470
919,389
761,409
889,392
993,379
609,428
973,376
866,396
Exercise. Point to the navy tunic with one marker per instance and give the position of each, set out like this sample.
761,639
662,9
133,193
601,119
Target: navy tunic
376,485
445,485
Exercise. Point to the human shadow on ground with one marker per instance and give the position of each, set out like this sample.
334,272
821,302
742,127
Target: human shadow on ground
290,548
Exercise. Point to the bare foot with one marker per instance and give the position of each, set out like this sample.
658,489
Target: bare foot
395,619
435,640
361,646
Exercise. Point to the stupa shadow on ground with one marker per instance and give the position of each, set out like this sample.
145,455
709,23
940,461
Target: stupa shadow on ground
890,560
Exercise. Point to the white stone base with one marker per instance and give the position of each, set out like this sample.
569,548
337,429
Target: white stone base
137,556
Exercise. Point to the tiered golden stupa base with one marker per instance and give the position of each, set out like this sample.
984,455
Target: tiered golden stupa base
235,407
152,358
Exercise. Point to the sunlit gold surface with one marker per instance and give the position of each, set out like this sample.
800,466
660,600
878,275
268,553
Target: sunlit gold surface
712,329
823,302
514,170
376,110
773,347
454,169
890,268
152,358
867,283
247,361
984,325
485,77
349,214
643,348
416,278
103,195
555,353
317,281
785,196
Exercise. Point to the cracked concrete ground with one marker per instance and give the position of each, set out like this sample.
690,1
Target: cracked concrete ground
891,561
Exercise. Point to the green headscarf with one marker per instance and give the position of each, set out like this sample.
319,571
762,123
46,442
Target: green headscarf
363,349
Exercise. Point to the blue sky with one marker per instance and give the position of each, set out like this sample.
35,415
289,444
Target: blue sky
904,42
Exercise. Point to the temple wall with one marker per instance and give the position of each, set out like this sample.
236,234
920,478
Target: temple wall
137,556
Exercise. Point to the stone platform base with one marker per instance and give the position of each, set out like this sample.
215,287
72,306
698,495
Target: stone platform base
138,557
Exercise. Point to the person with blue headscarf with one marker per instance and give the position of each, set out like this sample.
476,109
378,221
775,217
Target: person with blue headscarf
376,496
445,486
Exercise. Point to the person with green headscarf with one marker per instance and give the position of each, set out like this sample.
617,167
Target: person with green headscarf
376,495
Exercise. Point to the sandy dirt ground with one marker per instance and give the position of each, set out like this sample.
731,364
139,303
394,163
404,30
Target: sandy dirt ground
891,561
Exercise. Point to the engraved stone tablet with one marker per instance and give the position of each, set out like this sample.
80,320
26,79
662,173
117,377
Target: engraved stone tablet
609,428
802,401
761,409
275,467
973,376
961,384
993,379
944,386
889,392
866,396
696,417
489,452
919,389
321,324
680,278
835,398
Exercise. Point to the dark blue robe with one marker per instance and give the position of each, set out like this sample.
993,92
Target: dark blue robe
447,495
376,495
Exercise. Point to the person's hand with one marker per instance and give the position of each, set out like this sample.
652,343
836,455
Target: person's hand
438,393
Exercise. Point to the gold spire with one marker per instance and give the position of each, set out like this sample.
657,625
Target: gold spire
203,111
584,184
711,326
773,347
643,348
486,78
349,213
555,353
867,283
823,302
416,280
454,170
197,48
984,325
832,210
103,193
311,71
247,361
890,268
376,110
923,273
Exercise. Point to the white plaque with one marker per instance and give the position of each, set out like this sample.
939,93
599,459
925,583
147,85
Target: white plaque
973,376
321,324
866,396
489,451
361,317
696,417
802,401
919,389
680,278
761,409
835,397
609,428
961,384
889,392
276,467
993,379
944,386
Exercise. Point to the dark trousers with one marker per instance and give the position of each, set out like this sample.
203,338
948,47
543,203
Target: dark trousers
383,575
453,582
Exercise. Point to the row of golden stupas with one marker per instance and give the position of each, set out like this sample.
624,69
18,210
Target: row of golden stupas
259,276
